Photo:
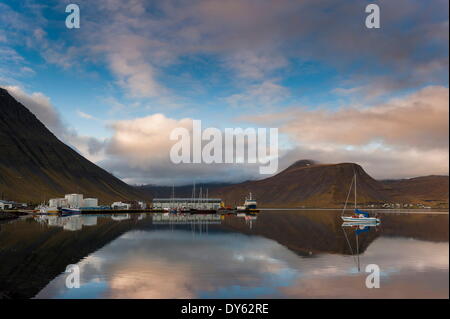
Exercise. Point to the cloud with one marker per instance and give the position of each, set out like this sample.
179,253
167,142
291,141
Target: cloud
403,137
145,138
254,65
133,72
40,105
419,120
144,45
265,94
140,40
85,115
377,161
139,149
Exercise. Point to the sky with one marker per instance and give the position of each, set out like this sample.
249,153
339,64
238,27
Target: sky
337,91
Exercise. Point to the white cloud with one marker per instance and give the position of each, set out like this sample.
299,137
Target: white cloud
143,141
85,115
265,94
403,137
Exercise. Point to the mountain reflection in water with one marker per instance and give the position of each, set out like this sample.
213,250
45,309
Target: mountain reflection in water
276,254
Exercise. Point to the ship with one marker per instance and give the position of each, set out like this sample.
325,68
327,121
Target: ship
249,205
70,211
44,209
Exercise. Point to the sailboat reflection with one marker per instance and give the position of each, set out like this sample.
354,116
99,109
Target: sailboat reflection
358,229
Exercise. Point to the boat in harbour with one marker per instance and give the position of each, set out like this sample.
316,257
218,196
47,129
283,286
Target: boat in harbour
44,209
361,217
358,216
70,211
249,205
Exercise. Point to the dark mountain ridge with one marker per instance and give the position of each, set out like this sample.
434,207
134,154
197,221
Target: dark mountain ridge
310,184
35,165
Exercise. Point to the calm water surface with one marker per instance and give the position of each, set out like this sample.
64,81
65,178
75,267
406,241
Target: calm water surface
274,254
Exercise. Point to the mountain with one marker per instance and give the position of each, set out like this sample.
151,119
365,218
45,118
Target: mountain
430,190
308,183
35,165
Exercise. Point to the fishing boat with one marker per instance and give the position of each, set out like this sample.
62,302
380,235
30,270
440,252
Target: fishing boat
44,209
70,211
249,205
358,216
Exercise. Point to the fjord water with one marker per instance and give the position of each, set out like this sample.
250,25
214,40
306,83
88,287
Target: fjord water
275,254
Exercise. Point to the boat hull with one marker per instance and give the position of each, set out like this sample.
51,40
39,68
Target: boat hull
360,220
67,211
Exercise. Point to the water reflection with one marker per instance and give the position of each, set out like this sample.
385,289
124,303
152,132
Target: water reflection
357,229
71,223
272,254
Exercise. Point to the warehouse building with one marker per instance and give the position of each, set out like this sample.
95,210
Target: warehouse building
194,203
73,201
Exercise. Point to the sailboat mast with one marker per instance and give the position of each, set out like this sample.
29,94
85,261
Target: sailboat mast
173,196
355,190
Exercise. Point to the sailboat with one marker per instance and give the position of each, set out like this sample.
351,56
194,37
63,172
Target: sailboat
358,216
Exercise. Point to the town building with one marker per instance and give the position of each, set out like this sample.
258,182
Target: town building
120,205
193,203
74,200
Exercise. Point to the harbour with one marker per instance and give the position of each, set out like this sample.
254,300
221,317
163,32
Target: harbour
77,204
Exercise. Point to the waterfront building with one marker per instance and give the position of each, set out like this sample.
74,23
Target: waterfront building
142,205
193,203
90,202
120,205
5,205
58,202
74,200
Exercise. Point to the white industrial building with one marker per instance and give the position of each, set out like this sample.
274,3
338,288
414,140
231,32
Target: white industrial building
194,203
58,202
74,200
120,205
5,205
142,205
90,202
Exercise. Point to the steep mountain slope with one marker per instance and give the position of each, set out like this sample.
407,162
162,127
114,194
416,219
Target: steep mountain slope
35,165
432,189
307,183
